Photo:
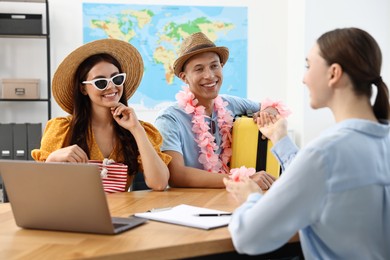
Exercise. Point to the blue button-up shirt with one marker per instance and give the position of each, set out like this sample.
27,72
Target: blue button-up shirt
335,192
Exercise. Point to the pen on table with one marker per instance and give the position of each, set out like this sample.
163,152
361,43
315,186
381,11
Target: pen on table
213,214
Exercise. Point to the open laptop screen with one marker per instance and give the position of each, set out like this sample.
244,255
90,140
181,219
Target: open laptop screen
59,196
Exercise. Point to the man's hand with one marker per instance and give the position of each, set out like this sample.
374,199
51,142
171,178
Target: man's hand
272,127
263,180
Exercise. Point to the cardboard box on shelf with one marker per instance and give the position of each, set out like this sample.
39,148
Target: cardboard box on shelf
20,89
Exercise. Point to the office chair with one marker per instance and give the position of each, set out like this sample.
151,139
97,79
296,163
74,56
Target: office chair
139,182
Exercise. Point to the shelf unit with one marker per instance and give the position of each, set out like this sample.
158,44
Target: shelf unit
44,36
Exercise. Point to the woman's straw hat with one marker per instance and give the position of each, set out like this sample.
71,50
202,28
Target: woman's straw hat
126,54
194,44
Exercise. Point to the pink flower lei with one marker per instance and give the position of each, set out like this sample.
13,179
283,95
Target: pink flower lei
206,141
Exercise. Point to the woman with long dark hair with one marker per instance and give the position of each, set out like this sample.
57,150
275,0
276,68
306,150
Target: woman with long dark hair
93,84
336,191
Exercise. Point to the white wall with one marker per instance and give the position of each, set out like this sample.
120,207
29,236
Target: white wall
280,32
372,16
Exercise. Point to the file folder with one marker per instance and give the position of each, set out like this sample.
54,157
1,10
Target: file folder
6,142
20,141
34,134
3,192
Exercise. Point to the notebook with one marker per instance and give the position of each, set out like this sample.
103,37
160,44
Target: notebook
60,197
190,216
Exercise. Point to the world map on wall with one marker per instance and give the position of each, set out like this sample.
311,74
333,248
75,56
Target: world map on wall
157,32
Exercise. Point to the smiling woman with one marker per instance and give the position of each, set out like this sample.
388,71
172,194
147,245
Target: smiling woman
93,84
325,189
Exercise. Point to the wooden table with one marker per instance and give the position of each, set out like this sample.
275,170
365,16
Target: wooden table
153,240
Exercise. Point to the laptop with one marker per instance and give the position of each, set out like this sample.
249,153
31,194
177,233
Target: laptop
60,197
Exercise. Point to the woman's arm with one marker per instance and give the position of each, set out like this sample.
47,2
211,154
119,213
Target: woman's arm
53,144
155,171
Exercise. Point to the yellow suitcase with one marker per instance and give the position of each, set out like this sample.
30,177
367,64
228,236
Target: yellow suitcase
250,150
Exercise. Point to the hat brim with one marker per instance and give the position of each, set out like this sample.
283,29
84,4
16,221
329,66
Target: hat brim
223,53
127,55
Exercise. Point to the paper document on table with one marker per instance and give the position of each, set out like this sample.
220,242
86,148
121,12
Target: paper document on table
187,215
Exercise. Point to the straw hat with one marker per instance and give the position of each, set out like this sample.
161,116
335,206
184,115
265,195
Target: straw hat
126,54
194,44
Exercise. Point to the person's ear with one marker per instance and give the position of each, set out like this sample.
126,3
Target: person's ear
335,73
82,89
183,77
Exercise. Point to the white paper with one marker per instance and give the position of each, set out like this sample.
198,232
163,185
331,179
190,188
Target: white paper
186,215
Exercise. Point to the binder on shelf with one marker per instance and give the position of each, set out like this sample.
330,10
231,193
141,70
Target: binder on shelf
20,141
1,190
34,134
3,193
6,142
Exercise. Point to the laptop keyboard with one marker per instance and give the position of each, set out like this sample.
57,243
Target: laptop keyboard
118,225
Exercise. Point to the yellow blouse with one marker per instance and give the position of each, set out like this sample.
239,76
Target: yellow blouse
57,129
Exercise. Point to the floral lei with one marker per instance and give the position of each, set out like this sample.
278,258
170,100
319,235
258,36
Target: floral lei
206,141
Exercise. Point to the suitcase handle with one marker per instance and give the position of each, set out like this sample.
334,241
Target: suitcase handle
249,113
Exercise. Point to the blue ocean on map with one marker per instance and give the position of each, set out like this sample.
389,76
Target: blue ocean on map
157,31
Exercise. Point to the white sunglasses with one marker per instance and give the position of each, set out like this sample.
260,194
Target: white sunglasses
102,83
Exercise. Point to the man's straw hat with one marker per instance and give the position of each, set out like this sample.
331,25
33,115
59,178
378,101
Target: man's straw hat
126,54
194,44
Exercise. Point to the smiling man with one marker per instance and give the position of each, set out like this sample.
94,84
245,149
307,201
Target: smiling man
197,129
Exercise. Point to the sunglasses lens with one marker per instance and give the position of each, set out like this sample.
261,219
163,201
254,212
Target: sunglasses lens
118,80
101,84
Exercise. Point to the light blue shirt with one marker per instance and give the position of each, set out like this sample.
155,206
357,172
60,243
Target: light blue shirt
175,127
336,192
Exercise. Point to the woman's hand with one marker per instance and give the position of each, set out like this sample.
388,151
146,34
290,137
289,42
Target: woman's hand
125,117
241,189
71,153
